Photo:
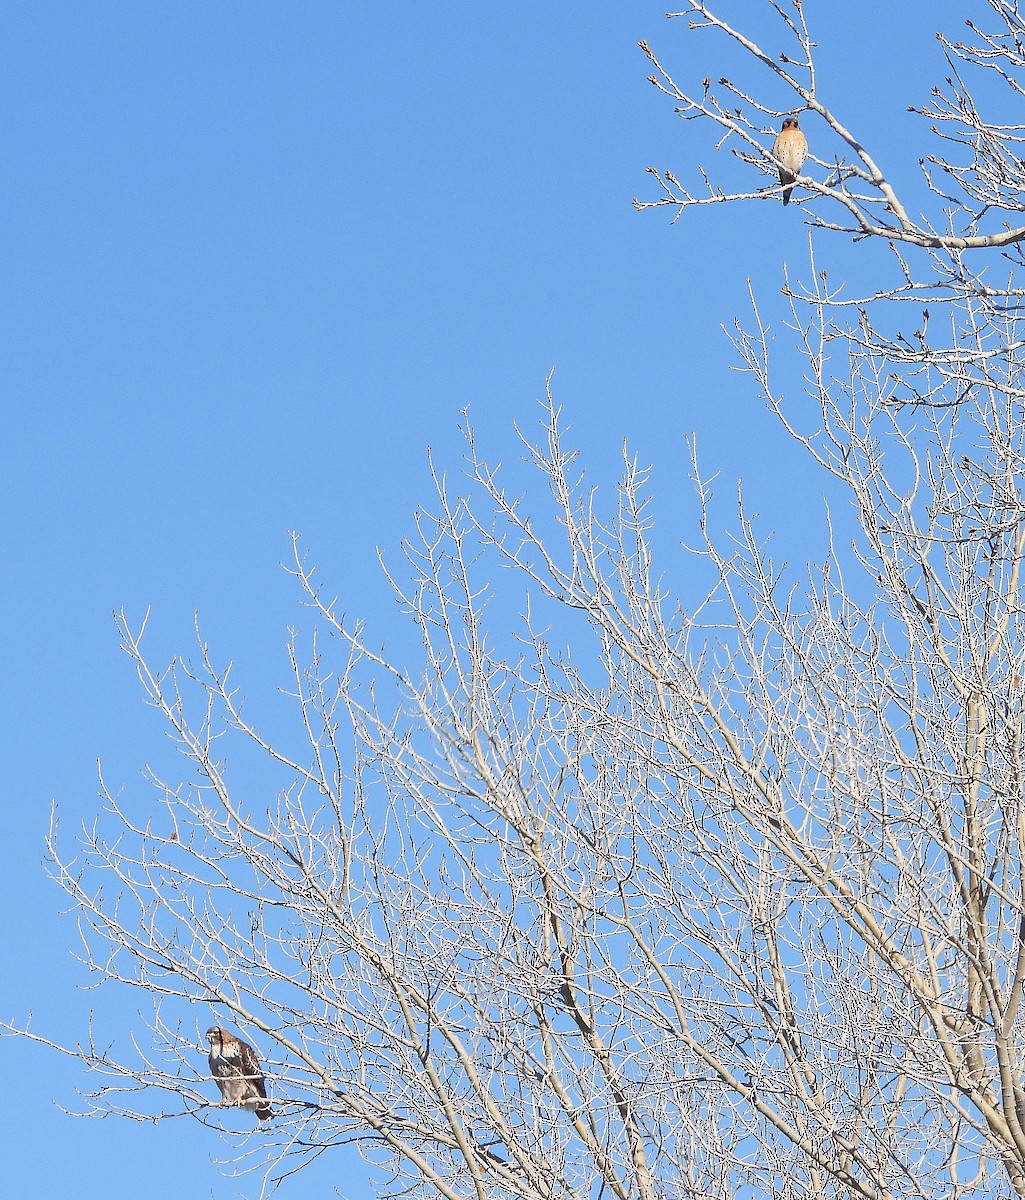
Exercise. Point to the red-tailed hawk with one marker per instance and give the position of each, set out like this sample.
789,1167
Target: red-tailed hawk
233,1063
790,149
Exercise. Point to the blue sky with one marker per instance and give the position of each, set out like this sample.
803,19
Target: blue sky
256,259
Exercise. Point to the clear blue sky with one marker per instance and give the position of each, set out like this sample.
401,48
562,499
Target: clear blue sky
256,259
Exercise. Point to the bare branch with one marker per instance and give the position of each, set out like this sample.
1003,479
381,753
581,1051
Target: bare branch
855,186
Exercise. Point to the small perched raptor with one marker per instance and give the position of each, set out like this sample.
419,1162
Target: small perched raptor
790,149
233,1063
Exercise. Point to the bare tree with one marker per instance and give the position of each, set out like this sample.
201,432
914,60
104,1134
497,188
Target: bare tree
705,898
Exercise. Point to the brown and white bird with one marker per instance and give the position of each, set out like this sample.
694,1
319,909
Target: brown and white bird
235,1067
790,149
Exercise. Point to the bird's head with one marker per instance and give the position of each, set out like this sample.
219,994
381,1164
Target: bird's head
791,123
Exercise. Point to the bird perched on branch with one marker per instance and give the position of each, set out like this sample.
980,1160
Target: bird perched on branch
790,149
235,1067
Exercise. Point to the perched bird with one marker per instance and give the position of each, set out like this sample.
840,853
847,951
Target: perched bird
790,149
233,1063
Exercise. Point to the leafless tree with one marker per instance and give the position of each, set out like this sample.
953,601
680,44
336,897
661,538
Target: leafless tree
719,897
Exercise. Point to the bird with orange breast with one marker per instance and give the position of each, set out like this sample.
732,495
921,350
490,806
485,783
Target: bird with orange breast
790,149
